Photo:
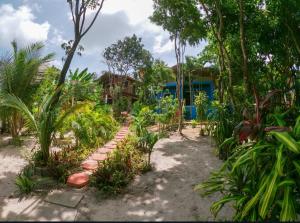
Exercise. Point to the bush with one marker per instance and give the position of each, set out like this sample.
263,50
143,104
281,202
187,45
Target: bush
92,127
201,102
261,178
24,181
222,123
119,169
61,164
194,123
167,110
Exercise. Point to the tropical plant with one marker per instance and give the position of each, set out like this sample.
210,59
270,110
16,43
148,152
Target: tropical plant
24,181
19,75
222,121
81,86
166,108
194,123
260,178
119,169
201,102
45,124
144,118
146,142
91,127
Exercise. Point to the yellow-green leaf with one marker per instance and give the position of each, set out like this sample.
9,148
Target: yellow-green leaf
288,141
268,196
288,212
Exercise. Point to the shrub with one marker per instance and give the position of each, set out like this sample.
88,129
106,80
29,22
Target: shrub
24,181
145,118
92,127
194,123
261,178
167,110
201,102
61,164
147,142
119,169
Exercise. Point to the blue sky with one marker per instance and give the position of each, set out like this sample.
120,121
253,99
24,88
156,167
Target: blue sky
49,21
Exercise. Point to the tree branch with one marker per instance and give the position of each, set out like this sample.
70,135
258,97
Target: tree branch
94,19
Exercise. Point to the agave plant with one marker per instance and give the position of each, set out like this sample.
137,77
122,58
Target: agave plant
45,124
261,178
19,75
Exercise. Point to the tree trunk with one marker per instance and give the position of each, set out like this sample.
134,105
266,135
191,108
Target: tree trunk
224,59
64,71
14,125
244,52
179,81
248,83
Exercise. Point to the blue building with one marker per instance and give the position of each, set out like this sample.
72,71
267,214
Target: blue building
202,81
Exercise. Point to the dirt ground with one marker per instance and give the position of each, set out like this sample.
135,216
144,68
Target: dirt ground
164,194
12,160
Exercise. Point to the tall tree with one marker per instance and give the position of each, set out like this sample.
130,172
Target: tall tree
78,10
127,57
181,18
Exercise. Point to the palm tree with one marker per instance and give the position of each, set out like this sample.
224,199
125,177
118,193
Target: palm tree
19,76
46,122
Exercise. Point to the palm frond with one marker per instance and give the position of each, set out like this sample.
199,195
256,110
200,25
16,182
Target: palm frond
9,100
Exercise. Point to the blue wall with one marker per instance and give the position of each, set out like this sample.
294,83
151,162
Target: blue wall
206,86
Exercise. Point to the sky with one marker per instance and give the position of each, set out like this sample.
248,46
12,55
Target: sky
28,21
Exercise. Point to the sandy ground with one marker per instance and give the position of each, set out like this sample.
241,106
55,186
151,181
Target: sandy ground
12,160
165,194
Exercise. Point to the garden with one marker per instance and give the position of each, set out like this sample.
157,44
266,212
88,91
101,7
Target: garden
217,136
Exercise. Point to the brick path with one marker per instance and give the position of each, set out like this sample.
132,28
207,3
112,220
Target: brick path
81,179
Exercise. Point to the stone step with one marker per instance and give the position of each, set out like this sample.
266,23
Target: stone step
110,147
99,157
104,150
78,180
89,165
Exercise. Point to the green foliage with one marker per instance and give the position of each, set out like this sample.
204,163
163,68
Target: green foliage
194,123
167,108
222,123
61,164
46,86
202,103
152,80
180,18
147,141
119,169
19,75
127,55
47,122
145,118
91,127
260,178
81,86
24,182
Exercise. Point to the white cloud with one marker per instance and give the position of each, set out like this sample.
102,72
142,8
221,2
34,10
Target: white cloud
57,38
19,24
56,63
162,44
107,29
137,10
